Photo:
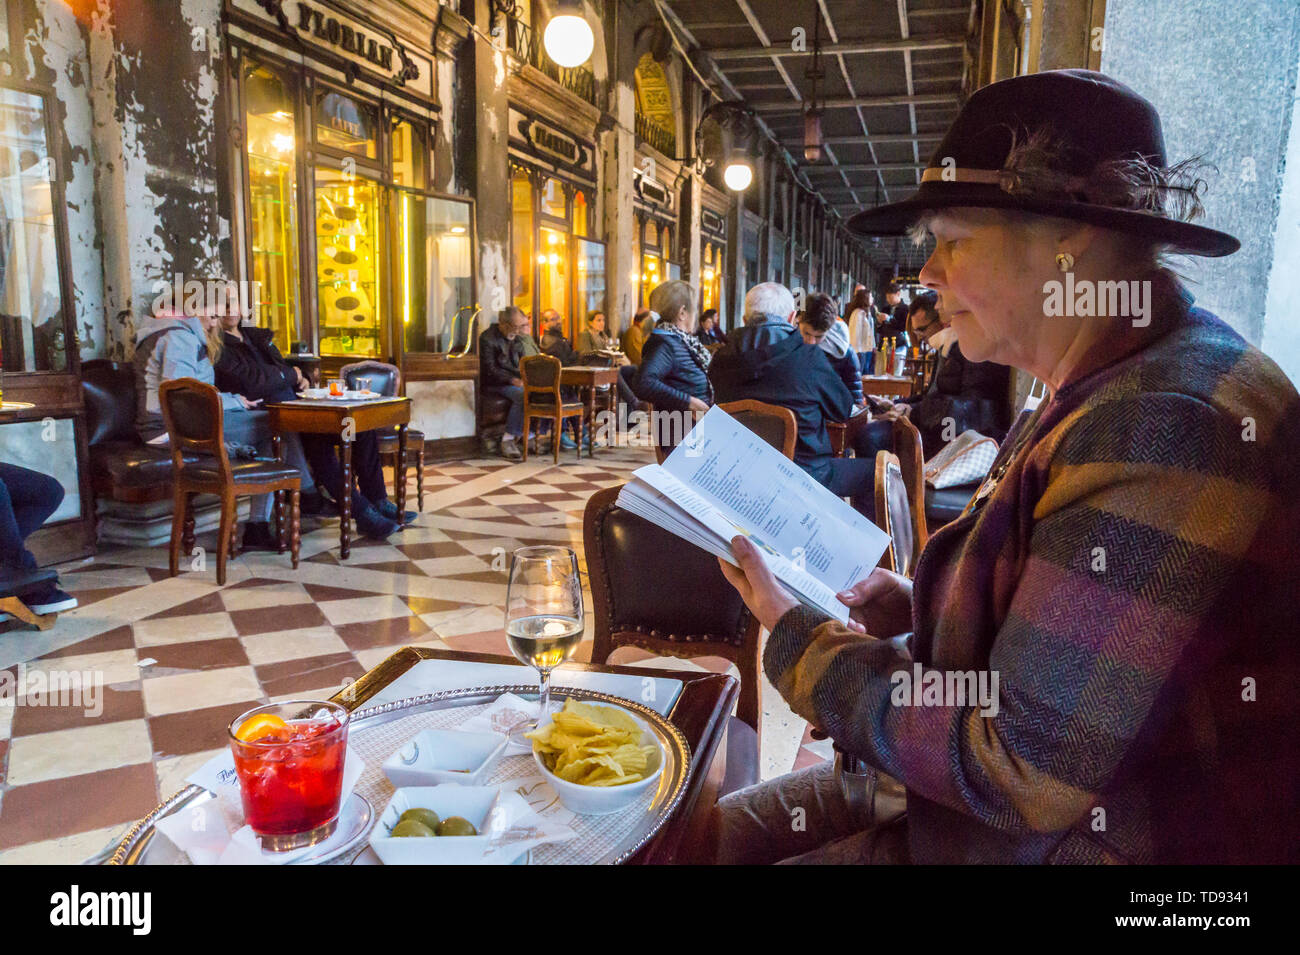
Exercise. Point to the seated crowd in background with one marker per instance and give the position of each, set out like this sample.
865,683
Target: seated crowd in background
172,346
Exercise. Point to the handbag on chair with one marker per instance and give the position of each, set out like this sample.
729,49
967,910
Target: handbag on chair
967,459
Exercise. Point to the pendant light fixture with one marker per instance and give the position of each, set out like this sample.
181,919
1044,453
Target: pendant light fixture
812,117
568,38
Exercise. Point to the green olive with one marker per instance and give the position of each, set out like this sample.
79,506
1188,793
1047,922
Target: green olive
456,826
425,817
411,827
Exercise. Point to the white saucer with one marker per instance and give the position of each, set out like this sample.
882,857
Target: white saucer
354,824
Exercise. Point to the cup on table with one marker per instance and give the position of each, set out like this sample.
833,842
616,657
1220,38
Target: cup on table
336,387
363,385
289,758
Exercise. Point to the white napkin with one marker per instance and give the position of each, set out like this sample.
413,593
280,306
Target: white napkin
506,713
513,828
214,832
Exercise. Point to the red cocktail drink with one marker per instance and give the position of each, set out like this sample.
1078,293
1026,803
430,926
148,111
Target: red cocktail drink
289,758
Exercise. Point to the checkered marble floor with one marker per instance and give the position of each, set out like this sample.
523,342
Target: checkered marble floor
180,657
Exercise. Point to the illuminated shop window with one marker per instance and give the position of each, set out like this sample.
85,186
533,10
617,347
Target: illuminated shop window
348,264
273,201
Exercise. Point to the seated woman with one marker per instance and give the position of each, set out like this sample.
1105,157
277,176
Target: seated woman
674,373
594,339
27,499
251,365
175,345
1119,594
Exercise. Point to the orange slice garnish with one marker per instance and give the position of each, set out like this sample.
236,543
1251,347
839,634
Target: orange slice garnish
263,724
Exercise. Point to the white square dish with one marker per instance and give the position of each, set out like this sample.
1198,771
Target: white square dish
432,757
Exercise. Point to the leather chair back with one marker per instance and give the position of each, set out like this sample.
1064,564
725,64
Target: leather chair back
894,514
108,388
191,412
385,379
647,581
541,373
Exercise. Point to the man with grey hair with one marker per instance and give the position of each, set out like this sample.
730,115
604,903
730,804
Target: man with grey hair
769,361
769,301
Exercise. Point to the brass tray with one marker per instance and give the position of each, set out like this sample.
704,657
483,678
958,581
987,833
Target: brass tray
609,839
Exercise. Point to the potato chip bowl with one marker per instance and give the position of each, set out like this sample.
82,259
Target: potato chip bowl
604,800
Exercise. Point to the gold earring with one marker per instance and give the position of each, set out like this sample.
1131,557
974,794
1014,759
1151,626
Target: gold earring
1064,261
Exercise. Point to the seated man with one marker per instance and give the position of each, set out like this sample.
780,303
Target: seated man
499,352
27,499
768,360
251,365
821,325
554,342
961,394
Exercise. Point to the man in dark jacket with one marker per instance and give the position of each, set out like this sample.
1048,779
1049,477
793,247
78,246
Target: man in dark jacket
499,350
768,360
251,365
962,395
554,342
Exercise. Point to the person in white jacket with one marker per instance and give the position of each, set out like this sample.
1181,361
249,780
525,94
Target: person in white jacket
861,320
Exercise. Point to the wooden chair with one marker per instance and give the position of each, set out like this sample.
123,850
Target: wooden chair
14,585
651,589
911,462
542,400
387,380
773,423
894,515
191,411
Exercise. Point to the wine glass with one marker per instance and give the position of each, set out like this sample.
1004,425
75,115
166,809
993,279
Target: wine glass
544,620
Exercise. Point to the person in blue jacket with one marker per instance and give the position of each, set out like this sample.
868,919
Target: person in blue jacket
674,372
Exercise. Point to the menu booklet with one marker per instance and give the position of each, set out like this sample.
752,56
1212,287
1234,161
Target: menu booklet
724,480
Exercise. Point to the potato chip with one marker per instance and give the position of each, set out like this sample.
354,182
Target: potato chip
593,745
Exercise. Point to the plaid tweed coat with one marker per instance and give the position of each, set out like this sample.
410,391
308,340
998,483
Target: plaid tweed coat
1132,580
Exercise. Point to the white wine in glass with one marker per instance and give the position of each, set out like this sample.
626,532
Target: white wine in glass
544,620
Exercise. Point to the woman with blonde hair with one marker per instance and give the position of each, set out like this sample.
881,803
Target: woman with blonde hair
1121,588
177,344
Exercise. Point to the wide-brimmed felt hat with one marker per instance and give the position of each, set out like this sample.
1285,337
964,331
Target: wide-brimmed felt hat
1089,118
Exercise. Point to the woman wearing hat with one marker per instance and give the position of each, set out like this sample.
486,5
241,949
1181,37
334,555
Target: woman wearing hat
1119,588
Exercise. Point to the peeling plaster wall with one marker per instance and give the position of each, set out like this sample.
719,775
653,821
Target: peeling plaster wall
164,116
136,102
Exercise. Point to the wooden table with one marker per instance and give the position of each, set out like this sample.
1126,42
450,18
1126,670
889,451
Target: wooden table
331,416
589,378
700,712
900,385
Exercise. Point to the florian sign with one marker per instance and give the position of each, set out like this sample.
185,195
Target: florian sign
374,48
323,26
556,147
